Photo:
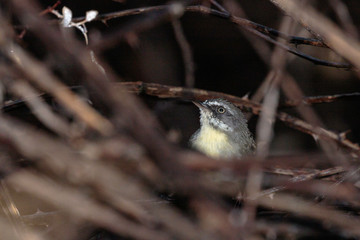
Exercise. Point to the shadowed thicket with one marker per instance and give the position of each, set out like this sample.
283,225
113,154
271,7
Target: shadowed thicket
96,116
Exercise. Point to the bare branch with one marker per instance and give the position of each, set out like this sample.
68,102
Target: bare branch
257,29
320,99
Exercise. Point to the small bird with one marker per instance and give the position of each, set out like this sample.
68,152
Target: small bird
223,131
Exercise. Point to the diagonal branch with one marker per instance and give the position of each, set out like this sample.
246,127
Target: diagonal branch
262,31
335,38
320,99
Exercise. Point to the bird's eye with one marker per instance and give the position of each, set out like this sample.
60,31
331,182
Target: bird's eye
221,110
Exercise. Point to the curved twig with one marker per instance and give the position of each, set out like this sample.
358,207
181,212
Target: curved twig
262,31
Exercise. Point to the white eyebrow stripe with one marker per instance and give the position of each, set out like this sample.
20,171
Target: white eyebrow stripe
214,103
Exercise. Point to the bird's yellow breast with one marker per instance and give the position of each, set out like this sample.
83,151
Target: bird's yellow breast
213,142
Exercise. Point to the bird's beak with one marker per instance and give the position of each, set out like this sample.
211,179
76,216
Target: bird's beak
201,106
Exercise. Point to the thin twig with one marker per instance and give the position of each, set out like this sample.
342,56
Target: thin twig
49,9
320,99
202,9
286,202
299,176
257,29
261,48
187,55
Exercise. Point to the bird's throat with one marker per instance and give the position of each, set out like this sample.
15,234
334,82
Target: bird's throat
212,142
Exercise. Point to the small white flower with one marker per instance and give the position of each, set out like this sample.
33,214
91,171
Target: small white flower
91,15
67,17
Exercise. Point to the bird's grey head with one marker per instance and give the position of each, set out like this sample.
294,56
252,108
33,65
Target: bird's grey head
221,115
231,137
